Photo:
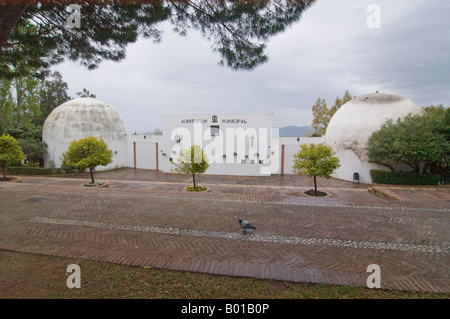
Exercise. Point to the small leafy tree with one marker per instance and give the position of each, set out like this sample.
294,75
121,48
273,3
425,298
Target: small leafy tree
29,137
10,152
193,161
380,146
33,150
321,117
322,114
421,141
315,160
88,152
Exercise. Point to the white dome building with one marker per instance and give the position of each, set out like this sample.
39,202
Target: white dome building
351,126
81,118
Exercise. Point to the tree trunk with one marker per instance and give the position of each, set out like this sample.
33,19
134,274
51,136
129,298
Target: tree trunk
193,178
413,166
4,171
315,185
92,175
10,13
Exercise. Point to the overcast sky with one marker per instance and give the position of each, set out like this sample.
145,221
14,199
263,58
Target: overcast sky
330,50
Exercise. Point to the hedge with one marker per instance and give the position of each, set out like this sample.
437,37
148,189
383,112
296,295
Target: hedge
403,178
26,170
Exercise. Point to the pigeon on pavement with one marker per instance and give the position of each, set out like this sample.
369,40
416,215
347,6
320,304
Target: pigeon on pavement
246,225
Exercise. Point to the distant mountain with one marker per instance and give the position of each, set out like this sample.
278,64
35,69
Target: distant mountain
294,131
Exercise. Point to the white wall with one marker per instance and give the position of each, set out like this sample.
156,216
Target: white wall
195,129
146,156
80,118
350,164
144,148
291,147
57,146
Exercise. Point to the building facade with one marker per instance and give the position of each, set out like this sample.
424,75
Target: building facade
235,144
81,118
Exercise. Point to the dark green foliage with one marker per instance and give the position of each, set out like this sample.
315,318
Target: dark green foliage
105,31
29,137
33,150
68,168
53,92
404,178
25,103
28,51
31,170
237,29
94,184
85,93
419,141
312,192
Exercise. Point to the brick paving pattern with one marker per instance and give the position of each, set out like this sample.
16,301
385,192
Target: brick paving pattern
145,218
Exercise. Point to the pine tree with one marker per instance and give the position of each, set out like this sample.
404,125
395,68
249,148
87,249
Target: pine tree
36,34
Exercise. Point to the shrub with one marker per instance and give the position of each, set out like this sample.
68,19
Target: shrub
68,168
94,184
30,170
195,189
404,178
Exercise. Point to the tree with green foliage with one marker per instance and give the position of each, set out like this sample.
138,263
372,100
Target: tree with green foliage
25,103
10,152
315,160
420,141
28,99
6,105
192,161
88,152
52,93
33,150
19,101
380,145
322,114
29,137
321,117
339,102
157,131
85,93
35,33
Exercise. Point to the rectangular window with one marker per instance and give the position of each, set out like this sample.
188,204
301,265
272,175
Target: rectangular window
214,130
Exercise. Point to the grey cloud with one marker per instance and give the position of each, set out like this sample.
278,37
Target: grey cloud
329,51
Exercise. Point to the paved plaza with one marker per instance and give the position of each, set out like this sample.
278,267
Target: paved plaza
146,218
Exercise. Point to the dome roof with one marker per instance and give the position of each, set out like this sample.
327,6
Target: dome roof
84,117
353,124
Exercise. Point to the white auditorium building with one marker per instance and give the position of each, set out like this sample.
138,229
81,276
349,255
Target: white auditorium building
235,144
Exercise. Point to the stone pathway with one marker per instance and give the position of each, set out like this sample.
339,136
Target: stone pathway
244,236
154,223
